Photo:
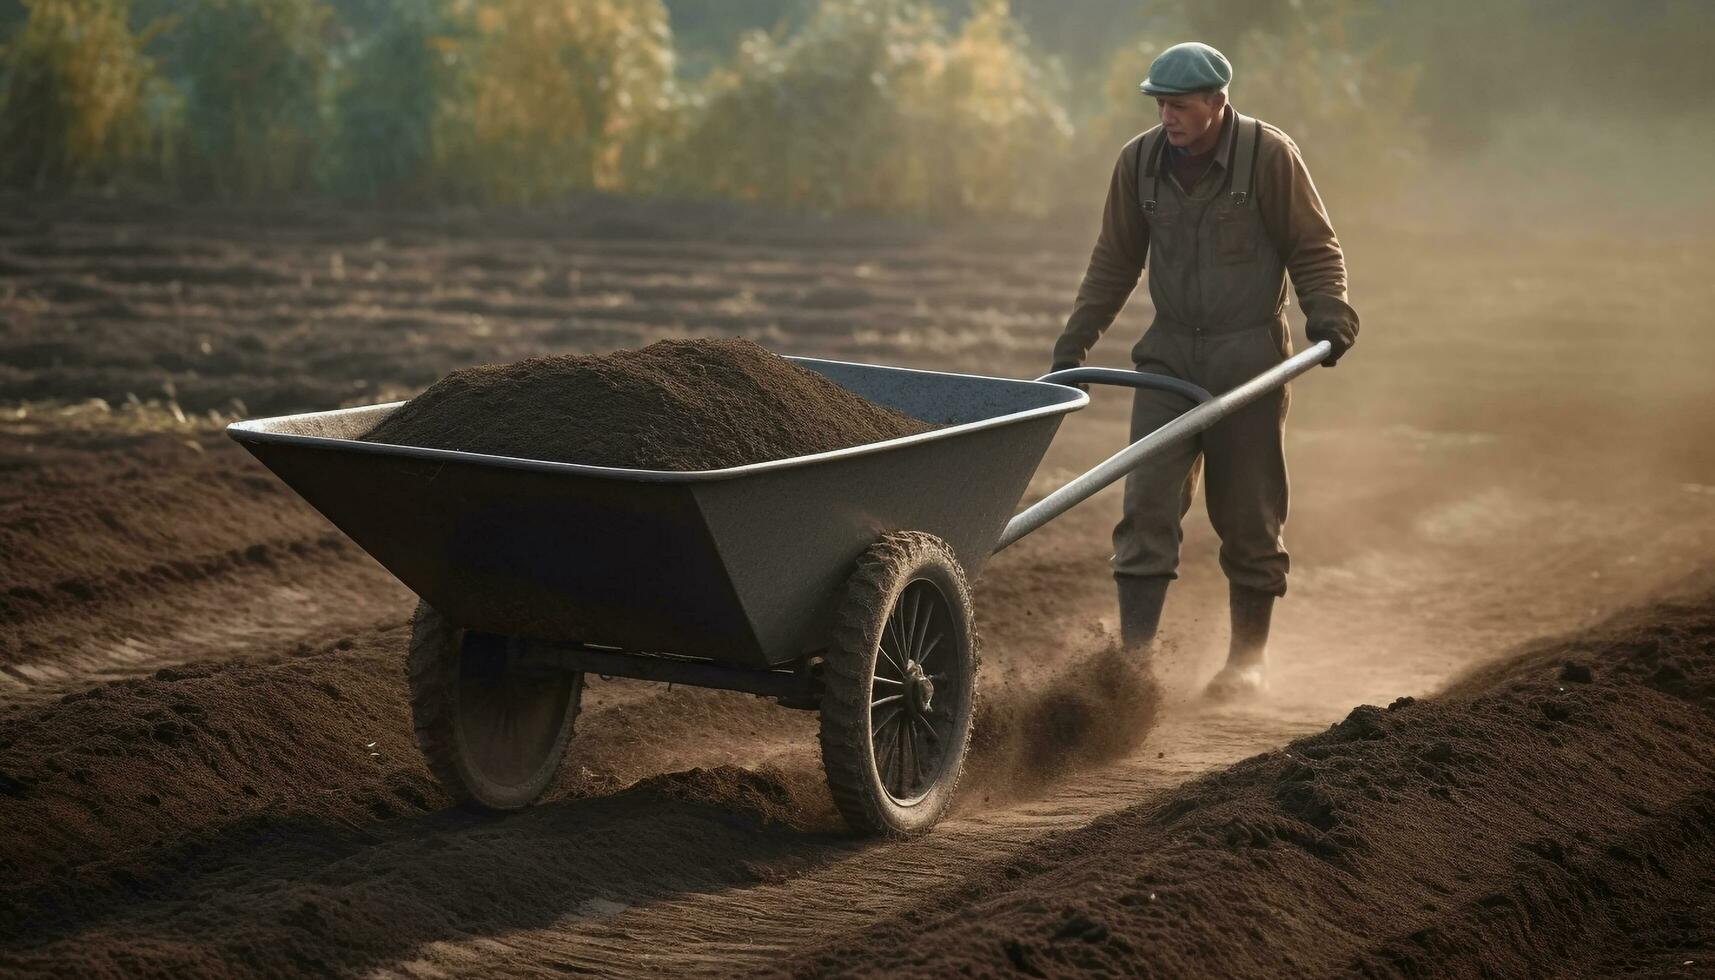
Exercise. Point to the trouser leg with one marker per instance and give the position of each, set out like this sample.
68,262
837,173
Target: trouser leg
1245,463
1157,495
1245,470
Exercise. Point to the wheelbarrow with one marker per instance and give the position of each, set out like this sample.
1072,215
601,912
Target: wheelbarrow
836,582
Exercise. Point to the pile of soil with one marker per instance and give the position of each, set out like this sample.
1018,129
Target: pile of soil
1554,815
673,405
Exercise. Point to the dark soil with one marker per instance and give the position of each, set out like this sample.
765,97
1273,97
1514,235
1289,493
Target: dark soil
1527,822
113,541
206,813
674,405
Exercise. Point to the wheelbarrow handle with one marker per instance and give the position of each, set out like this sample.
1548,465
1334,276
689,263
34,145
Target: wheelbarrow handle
1128,379
1211,409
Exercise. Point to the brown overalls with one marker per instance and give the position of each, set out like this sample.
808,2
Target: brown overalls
1220,256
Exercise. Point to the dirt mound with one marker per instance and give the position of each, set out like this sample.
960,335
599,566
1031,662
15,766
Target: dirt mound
674,405
154,762
1530,820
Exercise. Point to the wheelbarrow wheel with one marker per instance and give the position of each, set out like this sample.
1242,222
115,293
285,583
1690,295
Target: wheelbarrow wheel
899,681
493,732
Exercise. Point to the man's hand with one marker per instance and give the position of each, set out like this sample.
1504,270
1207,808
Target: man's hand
1336,334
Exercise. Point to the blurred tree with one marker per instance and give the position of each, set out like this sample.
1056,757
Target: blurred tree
707,32
550,96
1003,125
255,75
873,105
76,96
927,106
395,76
13,13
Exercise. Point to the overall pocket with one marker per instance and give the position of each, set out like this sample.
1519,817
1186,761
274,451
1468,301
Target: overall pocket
1166,234
1235,238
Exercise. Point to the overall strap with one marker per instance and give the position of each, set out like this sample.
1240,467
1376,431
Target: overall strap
1149,168
1149,174
1247,135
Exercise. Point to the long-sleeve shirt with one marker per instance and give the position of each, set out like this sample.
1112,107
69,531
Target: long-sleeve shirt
1293,217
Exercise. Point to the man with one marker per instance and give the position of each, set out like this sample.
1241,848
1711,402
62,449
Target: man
1223,209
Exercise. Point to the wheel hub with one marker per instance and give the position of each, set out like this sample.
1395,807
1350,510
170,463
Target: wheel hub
920,690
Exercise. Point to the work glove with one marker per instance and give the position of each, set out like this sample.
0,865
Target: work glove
1338,334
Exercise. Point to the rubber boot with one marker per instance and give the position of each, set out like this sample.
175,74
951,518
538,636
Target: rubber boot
1141,598
1243,676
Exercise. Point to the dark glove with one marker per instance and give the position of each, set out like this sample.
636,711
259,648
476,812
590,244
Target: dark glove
1340,336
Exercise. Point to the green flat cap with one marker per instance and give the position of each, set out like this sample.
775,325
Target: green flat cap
1184,68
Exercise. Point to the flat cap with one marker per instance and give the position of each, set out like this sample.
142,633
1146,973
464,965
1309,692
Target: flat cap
1189,67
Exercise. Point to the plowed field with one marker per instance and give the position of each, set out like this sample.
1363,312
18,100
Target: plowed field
206,763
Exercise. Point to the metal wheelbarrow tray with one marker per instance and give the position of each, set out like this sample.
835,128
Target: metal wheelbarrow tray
756,578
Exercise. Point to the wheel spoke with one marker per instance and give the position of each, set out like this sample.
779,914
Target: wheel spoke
887,760
918,652
911,629
917,755
890,699
888,680
930,648
928,729
893,661
895,630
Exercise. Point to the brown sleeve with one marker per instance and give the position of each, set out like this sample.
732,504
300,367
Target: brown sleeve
1298,224
1116,263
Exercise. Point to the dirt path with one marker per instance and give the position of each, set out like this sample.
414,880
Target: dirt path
194,666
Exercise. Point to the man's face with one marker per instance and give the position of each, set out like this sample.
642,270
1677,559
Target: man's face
1187,118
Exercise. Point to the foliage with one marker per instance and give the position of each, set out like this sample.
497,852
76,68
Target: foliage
394,80
551,96
1002,115
254,74
919,106
78,99
872,105
705,33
